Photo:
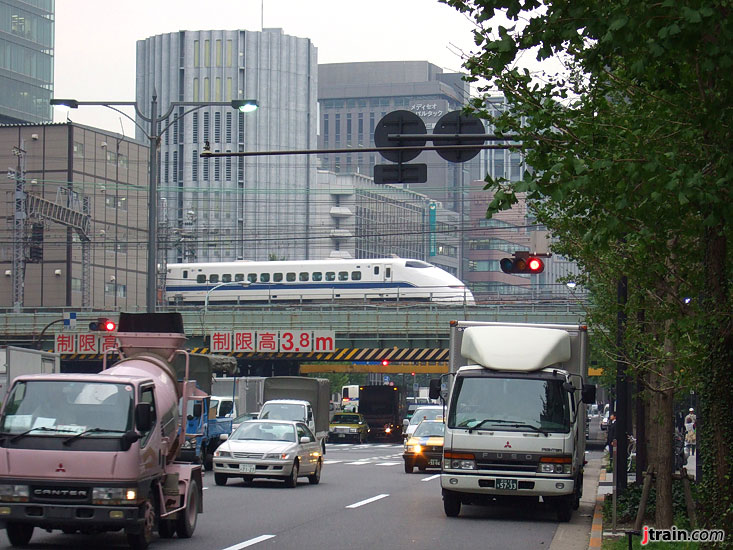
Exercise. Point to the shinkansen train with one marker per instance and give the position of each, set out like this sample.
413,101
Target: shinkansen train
375,279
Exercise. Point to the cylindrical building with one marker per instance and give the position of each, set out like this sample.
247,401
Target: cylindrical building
231,208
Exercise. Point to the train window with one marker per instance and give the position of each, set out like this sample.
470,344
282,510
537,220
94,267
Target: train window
376,270
388,272
264,277
252,277
213,278
277,277
201,278
343,275
303,276
356,275
317,276
185,273
330,276
416,263
226,278
290,277
239,277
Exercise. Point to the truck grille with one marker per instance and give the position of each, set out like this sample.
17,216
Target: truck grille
45,493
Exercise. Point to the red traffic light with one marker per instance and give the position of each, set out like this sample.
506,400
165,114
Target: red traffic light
385,362
103,324
523,264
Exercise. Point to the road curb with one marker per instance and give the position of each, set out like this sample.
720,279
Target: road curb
596,529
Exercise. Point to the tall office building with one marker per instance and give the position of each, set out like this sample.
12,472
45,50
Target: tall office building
252,208
26,60
354,97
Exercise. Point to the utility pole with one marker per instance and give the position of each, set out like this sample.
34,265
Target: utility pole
19,219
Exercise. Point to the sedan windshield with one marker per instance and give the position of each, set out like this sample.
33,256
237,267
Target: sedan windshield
265,431
63,407
510,404
345,419
430,429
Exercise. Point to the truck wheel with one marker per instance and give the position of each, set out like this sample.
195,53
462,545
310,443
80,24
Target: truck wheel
292,481
451,504
19,534
141,539
564,508
186,521
315,478
166,528
220,479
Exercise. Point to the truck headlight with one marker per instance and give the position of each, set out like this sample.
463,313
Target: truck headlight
14,493
555,465
189,444
459,461
114,495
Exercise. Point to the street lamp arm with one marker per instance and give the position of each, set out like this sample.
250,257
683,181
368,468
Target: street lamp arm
196,107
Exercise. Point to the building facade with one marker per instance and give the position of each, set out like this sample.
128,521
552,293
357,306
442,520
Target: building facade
78,237
252,208
355,218
26,60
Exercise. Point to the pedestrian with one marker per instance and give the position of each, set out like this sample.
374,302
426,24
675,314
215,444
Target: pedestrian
690,442
679,422
690,420
611,436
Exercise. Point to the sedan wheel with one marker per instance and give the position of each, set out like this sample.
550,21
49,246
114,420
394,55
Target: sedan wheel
292,481
315,478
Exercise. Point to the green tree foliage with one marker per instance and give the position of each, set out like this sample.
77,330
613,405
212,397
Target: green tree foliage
629,144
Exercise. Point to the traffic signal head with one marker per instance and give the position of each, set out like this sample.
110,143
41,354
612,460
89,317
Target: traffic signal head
385,362
528,264
103,324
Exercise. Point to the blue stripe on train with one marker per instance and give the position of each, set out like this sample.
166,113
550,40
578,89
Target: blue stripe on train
291,286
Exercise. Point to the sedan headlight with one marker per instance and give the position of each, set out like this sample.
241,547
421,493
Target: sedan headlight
114,495
277,456
222,454
417,449
14,493
353,430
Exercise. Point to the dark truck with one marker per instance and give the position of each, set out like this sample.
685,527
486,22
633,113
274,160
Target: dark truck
384,407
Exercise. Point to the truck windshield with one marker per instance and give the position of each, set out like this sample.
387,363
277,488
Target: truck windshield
509,404
61,407
283,411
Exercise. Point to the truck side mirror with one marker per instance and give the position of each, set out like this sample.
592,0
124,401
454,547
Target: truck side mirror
434,391
589,393
143,417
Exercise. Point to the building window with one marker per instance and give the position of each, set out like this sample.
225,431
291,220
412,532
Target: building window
207,53
218,53
217,91
207,89
229,128
325,129
195,127
230,49
196,57
217,127
165,167
195,165
337,130
78,149
206,126
348,128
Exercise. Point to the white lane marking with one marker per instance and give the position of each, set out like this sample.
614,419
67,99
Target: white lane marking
429,478
367,501
358,463
249,542
332,461
387,463
203,489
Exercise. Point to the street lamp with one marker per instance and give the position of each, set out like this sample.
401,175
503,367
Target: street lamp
244,105
206,299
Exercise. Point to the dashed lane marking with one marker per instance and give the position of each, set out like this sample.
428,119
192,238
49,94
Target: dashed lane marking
367,501
249,542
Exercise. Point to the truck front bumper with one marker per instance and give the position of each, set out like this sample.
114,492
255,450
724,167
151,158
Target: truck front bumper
81,516
485,484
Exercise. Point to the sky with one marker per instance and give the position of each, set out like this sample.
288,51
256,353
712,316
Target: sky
96,39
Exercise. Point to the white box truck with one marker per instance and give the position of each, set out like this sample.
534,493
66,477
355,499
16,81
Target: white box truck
15,361
515,417
247,392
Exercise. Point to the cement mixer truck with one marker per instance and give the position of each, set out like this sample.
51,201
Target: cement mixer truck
98,452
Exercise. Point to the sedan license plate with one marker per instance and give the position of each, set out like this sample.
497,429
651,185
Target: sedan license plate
434,462
506,484
247,468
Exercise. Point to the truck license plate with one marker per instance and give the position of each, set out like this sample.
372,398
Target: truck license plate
247,468
506,484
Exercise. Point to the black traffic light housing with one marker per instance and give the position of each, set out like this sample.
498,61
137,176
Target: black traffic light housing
103,325
523,262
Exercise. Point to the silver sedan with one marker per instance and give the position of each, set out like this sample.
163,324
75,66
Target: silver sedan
275,449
